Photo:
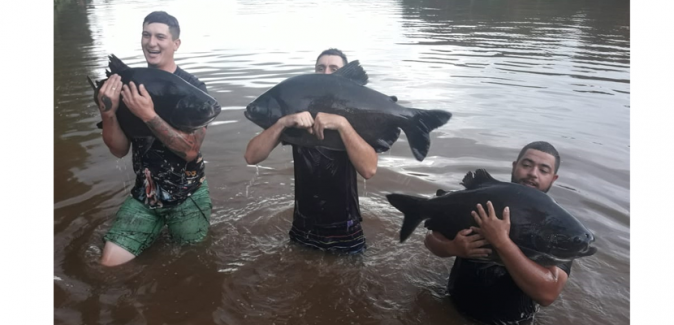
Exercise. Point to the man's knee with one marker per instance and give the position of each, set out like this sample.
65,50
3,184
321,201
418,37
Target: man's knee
114,255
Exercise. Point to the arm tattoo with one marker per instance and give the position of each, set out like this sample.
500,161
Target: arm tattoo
107,103
180,143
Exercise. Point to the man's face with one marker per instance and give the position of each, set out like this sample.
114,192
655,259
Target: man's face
535,169
158,45
328,64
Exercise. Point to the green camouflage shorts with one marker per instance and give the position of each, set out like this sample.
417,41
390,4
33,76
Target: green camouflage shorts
136,226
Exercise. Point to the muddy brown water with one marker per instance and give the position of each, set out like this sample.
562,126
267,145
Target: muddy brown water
511,72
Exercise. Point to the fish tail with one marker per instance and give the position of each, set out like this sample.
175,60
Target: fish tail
423,122
410,206
116,65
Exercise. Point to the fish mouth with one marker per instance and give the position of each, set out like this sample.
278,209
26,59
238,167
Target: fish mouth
571,247
588,252
251,118
249,112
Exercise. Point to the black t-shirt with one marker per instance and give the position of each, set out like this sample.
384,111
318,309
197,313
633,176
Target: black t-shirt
326,189
487,292
164,179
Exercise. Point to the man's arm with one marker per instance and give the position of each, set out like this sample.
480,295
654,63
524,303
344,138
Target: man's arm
113,136
139,102
185,145
362,155
542,284
463,245
261,145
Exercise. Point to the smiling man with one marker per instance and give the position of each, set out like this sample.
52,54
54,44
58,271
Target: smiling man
509,294
170,187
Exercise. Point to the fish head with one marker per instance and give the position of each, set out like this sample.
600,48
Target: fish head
264,111
195,111
573,246
566,243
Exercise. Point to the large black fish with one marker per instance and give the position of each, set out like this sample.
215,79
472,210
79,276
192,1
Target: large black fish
377,118
544,231
176,101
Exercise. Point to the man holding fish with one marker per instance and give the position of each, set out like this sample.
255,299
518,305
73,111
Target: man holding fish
507,294
170,187
327,212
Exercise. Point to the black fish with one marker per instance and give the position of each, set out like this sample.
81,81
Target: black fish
176,101
544,231
376,117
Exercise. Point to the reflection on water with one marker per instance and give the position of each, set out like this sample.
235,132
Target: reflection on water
511,72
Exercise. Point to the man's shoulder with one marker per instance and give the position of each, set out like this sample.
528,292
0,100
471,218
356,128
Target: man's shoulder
192,79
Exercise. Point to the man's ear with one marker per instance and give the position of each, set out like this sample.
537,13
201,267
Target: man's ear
176,44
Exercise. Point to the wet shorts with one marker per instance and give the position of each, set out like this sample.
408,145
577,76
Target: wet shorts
136,226
341,240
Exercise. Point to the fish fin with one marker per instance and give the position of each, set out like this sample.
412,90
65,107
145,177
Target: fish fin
116,65
410,207
423,122
353,71
393,98
387,139
474,180
93,85
441,192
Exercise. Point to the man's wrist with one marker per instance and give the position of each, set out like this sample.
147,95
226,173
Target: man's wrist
502,243
108,115
149,117
343,124
282,122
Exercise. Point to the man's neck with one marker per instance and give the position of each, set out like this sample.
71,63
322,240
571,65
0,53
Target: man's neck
167,67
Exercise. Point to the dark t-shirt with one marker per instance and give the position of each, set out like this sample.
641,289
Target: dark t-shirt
164,179
326,189
487,292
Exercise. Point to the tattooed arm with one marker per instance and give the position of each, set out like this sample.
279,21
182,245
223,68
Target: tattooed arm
185,145
108,99
139,102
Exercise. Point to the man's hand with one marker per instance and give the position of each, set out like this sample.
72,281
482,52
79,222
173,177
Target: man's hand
494,230
108,95
463,245
542,284
325,121
138,101
301,120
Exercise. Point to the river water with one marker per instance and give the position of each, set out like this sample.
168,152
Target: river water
511,72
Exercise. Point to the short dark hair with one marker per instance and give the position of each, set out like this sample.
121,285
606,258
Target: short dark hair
336,52
544,147
164,18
